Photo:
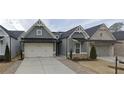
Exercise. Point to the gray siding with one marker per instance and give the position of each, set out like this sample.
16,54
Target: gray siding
78,35
15,47
71,46
32,34
83,47
54,47
63,47
2,47
5,41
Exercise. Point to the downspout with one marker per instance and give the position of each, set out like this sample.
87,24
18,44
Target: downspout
22,47
10,48
66,47
21,50
56,48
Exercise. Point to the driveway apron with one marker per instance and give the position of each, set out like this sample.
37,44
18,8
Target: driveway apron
43,66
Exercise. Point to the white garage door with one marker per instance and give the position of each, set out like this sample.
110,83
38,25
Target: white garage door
103,51
38,49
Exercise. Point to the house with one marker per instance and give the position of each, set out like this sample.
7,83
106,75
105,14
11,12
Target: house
74,40
39,41
80,41
119,47
10,38
102,39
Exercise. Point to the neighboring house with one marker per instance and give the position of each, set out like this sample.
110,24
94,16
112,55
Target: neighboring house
102,39
119,47
10,38
39,41
80,41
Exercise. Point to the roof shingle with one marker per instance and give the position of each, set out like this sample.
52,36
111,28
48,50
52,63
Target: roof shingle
92,30
119,35
69,32
13,33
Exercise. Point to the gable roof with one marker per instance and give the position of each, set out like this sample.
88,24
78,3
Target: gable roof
12,33
78,35
69,32
119,35
90,31
39,23
58,34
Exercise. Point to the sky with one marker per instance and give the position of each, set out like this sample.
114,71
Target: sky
55,24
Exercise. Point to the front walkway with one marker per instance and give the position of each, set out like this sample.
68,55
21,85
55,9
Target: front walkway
43,66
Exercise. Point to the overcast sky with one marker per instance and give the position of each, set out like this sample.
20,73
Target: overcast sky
56,24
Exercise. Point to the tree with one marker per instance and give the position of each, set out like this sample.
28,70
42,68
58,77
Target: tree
93,54
7,54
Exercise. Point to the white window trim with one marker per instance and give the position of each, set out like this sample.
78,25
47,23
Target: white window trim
80,31
37,32
79,48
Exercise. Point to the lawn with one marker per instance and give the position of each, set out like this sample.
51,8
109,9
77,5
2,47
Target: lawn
102,67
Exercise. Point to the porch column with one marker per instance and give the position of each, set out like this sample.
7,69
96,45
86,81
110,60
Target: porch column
112,50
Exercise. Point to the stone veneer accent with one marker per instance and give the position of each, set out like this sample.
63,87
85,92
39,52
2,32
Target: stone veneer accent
79,56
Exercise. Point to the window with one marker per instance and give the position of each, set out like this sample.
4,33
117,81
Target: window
39,32
77,48
1,41
57,36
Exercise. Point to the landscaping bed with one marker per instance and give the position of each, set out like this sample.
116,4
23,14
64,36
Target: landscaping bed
9,67
75,66
96,66
102,67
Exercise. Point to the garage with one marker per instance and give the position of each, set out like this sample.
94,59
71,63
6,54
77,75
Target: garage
38,49
103,51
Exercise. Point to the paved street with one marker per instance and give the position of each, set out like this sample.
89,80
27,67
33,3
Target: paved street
43,66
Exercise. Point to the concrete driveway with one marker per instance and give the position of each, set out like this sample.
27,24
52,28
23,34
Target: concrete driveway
43,66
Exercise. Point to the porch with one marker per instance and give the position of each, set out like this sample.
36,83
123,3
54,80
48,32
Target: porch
78,48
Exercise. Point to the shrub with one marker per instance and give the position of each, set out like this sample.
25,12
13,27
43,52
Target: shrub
93,54
7,54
